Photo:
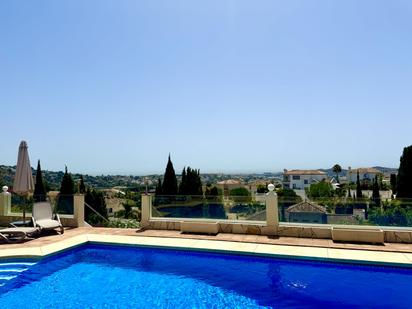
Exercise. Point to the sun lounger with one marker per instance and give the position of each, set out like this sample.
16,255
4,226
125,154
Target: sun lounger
17,234
42,216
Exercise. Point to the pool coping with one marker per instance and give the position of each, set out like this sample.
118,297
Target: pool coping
352,256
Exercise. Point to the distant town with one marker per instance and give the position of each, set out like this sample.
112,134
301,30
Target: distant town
53,178
327,195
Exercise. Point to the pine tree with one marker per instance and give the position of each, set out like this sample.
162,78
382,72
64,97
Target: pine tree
358,186
39,194
82,187
169,186
404,180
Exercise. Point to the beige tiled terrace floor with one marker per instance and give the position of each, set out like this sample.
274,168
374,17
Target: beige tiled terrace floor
258,239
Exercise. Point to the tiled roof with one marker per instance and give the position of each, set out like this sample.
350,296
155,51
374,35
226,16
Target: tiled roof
229,182
369,170
305,172
306,207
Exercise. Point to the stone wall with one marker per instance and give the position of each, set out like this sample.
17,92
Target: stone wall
284,230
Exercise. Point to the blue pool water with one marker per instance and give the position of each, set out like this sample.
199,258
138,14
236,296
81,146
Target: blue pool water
102,276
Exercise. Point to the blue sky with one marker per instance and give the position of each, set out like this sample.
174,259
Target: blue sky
224,86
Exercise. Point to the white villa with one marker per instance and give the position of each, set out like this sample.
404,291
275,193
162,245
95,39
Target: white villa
367,173
301,179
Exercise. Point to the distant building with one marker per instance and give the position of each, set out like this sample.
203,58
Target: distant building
306,212
359,213
365,174
114,200
227,185
301,179
342,180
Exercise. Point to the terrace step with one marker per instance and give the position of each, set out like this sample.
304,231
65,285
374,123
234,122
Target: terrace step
199,227
375,236
11,270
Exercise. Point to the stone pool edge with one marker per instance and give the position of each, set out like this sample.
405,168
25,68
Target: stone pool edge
352,256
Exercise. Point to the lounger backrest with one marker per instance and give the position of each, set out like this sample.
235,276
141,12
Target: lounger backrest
42,210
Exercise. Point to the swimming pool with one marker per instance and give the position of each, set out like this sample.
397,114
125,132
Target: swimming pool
109,276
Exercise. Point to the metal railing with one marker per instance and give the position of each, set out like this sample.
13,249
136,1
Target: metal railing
365,211
97,213
208,207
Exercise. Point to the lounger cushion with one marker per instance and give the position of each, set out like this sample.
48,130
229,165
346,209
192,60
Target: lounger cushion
19,230
17,234
48,223
42,210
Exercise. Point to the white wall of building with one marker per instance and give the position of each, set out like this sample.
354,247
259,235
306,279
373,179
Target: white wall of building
301,182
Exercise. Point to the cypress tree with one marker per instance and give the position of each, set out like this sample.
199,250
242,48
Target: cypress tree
65,199
380,178
158,193
96,200
82,187
39,194
393,183
183,184
404,180
100,203
1,178
358,186
159,187
67,184
169,180
193,183
199,186
375,192
88,198
214,191
190,182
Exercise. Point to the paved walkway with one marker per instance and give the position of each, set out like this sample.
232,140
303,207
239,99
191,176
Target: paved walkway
254,239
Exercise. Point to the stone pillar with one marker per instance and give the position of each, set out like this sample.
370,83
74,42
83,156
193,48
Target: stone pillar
78,206
272,214
146,210
5,202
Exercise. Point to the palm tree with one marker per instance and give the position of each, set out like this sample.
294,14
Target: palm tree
128,211
337,169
